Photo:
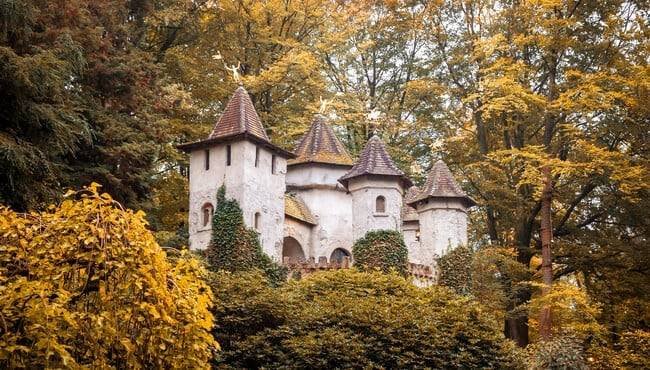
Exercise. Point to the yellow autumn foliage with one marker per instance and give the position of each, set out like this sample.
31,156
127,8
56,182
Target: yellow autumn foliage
85,285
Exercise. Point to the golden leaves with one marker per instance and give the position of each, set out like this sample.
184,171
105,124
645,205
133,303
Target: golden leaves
85,283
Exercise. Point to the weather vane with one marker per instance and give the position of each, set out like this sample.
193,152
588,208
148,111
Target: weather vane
323,104
235,72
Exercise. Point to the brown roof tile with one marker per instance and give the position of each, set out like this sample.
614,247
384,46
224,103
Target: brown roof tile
296,208
440,183
374,160
239,117
320,145
239,121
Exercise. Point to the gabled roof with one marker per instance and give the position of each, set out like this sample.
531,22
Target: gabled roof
440,183
239,120
374,160
320,145
296,208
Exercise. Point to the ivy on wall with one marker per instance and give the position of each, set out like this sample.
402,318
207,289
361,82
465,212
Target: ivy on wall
381,249
234,247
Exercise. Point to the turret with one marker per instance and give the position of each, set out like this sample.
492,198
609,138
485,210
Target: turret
321,159
377,187
239,154
442,212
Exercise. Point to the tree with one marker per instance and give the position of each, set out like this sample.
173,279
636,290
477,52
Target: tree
544,108
381,249
85,284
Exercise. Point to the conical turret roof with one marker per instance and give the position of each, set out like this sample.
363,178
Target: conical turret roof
239,117
320,145
239,120
375,160
440,183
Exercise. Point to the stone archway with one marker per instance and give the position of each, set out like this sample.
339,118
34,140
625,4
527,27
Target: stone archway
292,248
338,255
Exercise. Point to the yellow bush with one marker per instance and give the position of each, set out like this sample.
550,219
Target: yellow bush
85,284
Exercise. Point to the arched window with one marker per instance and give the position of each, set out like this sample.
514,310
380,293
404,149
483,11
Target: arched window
338,255
257,221
380,204
207,210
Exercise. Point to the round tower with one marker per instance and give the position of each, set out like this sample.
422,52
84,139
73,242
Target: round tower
442,212
321,159
377,187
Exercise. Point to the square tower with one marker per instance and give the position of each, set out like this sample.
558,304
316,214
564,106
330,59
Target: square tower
239,154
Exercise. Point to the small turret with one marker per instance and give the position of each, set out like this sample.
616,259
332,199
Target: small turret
442,212
377,187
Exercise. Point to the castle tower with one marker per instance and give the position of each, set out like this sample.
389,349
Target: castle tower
442,212
321,159
377,187
239,154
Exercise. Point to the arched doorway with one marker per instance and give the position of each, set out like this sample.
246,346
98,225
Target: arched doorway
291,248
338,254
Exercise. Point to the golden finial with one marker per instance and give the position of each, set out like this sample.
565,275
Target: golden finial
235,72
323,104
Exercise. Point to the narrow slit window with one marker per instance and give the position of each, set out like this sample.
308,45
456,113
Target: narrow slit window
257,221
228,155
208,211
380,204
273,164
257,156
207,159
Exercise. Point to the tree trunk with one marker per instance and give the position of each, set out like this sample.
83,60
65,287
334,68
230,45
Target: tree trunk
546,232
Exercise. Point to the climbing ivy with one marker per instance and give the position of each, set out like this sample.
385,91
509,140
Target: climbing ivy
382,249
456,269
234,247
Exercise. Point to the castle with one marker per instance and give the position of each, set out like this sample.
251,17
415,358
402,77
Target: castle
317,201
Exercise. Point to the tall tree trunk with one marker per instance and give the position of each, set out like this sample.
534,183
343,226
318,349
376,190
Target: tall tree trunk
546,232
546,229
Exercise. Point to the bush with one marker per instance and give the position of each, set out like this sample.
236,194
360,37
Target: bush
235,248
381,249
456,269
559,353
631,352
84,284
352,319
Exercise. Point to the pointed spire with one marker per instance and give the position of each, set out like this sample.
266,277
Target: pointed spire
375,160
239,121
239,117
440,183
320,145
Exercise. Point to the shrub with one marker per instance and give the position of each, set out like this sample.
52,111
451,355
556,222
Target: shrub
561,352
233,247
354,319
84,284
381,249
456,269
